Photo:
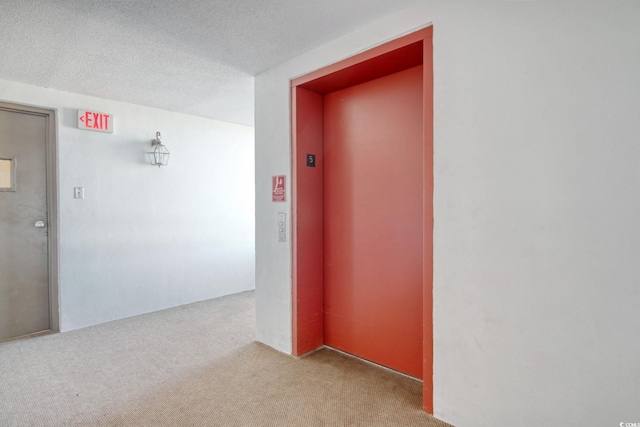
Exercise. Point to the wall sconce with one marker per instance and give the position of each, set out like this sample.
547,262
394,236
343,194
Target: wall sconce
159,155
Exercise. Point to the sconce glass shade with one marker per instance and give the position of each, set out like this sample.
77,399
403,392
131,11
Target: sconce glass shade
159,154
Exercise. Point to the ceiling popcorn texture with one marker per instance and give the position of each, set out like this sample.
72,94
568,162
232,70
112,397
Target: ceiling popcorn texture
192,56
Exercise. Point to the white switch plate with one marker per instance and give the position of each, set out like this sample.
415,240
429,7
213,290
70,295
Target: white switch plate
282,227
78,192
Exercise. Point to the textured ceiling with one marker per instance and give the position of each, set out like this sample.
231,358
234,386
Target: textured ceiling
192,56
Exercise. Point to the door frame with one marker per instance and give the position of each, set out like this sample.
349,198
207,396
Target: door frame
307,184
51,153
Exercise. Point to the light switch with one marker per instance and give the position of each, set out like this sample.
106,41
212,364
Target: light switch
78,192
282,227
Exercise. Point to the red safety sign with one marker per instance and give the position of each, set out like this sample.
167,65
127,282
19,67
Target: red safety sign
92,120
278,188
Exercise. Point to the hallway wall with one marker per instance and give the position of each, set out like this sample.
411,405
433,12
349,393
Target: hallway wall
147,238
537,206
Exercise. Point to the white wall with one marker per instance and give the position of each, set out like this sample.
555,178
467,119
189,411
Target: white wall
147,238
537,207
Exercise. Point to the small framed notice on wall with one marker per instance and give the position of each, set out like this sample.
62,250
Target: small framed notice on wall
278,187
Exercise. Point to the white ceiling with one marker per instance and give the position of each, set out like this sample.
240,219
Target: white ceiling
192,56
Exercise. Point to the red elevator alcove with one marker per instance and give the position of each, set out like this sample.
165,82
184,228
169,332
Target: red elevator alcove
362,213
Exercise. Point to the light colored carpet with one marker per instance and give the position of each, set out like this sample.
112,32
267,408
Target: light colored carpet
194,365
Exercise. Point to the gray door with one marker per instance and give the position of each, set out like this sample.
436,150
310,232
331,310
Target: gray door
24,272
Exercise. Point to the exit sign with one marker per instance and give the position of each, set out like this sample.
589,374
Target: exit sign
92,120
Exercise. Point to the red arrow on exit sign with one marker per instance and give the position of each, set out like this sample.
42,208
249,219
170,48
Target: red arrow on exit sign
92,120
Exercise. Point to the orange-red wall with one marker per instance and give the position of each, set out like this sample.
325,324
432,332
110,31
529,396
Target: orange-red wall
397,55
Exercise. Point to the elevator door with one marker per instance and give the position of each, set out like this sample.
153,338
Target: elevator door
24,274
373,220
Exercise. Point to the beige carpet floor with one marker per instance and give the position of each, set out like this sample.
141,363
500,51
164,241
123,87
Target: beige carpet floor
194,365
